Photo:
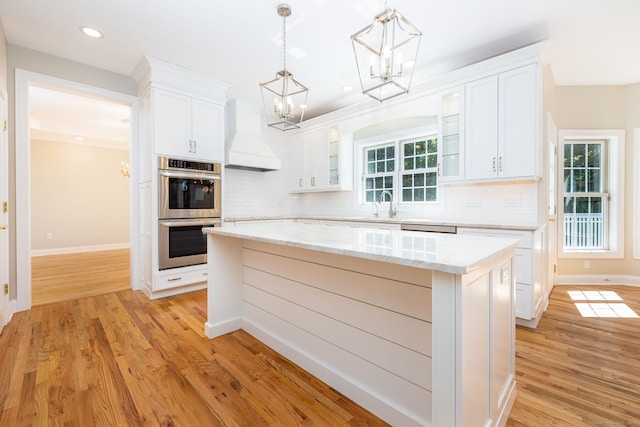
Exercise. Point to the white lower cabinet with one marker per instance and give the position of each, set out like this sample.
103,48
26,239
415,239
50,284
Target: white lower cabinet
179,277
530,300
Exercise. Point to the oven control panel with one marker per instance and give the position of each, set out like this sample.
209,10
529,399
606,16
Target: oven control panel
180,164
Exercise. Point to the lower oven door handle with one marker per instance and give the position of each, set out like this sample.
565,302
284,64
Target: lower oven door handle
191,175
173,223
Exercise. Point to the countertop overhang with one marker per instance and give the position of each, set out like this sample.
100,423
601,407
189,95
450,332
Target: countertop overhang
449,253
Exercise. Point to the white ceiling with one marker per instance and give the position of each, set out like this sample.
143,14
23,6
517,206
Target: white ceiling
56,115
590,42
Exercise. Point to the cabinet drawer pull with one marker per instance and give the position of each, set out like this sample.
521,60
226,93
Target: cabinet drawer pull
174,279
300,183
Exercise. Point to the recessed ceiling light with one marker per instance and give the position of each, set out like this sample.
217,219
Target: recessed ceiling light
347,88
91,32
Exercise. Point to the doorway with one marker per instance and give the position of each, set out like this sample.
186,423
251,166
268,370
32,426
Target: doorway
79,162
25,83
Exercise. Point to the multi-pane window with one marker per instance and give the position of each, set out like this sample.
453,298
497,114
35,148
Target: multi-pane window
379,171
584,196
419,172
407,167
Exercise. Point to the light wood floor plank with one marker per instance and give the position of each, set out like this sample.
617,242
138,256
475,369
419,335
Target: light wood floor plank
579,371
121,359
56,278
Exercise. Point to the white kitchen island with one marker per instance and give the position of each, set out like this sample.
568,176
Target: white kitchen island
419,328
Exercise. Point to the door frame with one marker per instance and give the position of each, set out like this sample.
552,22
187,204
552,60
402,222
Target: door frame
5,306
552,211
23,80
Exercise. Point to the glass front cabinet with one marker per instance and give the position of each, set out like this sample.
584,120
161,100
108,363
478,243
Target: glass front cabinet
451,130
322,160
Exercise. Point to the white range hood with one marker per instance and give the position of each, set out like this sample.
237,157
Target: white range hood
245,147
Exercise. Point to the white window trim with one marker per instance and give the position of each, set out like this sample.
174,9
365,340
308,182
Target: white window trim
615,176
395,138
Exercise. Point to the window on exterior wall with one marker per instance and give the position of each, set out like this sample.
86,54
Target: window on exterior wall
419,172
379,169
585,225
405,167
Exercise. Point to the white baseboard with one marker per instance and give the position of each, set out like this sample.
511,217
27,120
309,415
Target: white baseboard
215,330
76,249
597,279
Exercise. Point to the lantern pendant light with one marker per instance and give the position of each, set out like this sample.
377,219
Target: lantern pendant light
284,98
386,52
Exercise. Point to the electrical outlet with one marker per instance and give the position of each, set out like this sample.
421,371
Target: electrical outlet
49,236
587,263
511,201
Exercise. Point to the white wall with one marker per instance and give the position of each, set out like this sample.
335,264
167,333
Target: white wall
79,196
252,193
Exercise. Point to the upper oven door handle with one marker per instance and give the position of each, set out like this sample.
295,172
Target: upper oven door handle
187,222
190,175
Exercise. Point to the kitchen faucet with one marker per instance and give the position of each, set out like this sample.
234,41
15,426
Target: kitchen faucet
392,211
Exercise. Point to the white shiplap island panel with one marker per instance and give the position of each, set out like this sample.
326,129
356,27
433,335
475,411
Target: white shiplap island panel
416,327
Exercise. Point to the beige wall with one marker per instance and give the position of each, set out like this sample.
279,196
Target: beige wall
78,195
38,62
3,59
604,107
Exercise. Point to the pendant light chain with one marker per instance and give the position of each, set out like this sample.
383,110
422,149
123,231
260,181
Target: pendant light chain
284,42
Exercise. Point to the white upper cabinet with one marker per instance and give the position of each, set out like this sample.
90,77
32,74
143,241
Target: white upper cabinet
309,152
187,127
502,125
321,160
518,121
481,124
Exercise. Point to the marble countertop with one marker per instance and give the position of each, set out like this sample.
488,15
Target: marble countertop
450,253
448,222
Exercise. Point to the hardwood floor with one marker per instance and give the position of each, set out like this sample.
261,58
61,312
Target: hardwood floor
56,278
579,371
122,360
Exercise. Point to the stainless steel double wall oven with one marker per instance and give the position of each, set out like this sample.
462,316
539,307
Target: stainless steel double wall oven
189,196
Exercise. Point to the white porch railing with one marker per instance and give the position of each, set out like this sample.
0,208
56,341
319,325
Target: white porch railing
584,231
